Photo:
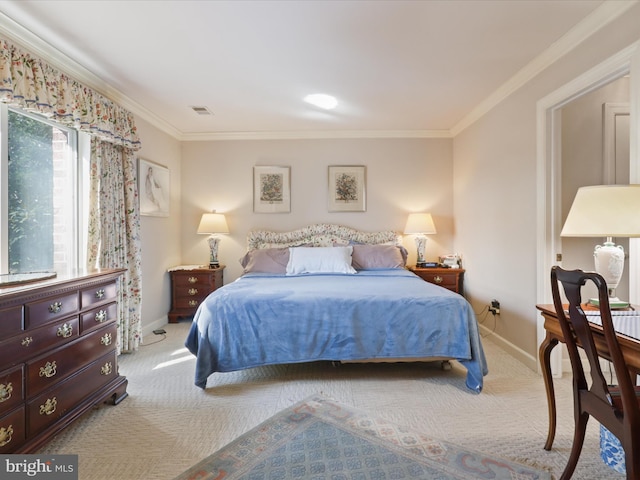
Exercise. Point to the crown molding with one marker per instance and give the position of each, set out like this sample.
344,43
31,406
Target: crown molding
313,135
598,19
26,39
603,15
35,45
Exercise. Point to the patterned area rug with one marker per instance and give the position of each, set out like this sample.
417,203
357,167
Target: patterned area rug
320,439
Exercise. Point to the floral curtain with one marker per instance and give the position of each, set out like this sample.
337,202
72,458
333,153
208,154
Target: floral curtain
114,231
35,86
32,84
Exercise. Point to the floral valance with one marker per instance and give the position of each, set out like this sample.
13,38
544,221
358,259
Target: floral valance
32,84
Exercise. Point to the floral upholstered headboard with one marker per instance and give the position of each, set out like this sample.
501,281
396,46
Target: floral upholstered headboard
319,235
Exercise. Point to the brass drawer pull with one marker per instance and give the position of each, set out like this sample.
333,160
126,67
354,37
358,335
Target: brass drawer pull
106,339
437,279
26,341
65,331
49,370
193,303
193,291
5,435
192,279
5,391
100,293
106,369
48,407
55,307
101,316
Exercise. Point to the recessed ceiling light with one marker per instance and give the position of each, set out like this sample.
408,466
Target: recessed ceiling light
322,100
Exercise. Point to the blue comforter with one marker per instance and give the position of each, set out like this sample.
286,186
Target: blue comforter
263,319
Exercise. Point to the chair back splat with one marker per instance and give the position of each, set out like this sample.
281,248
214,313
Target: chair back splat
615,407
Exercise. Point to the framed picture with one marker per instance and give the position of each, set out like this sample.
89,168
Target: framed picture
347,188
153,188
271,189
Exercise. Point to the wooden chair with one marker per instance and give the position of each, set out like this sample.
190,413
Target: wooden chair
617,408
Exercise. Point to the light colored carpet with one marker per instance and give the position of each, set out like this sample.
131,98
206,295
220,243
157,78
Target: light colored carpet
167,424
322,439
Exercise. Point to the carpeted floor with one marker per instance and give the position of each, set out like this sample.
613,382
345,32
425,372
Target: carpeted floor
319,438
166,425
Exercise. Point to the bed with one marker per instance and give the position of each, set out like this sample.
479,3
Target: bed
328,292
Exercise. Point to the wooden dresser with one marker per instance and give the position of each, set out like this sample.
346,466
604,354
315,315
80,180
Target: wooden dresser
57,355
189,287
449,278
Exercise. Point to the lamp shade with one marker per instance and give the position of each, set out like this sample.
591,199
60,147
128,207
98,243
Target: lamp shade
604,211
213,223
420,223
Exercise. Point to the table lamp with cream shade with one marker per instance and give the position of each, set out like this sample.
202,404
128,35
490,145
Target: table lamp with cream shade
213,224
420,224
606,211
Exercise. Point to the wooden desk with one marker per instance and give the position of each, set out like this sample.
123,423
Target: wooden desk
630,349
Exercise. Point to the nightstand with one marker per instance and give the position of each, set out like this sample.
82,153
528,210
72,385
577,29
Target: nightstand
449,278
190,285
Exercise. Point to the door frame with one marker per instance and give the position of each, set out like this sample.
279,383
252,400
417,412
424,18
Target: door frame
549,181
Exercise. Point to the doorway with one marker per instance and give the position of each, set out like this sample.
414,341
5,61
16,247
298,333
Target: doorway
550,170
595,151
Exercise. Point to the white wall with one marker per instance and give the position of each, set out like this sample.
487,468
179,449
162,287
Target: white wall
481,188
403,176
160,235
495,189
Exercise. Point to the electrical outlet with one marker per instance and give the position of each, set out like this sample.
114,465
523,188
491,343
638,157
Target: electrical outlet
494,308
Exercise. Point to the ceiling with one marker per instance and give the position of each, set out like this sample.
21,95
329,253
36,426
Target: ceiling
403,68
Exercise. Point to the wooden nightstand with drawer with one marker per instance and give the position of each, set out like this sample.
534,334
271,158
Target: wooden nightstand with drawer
449,278
189,287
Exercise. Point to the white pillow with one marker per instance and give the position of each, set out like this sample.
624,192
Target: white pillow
320,260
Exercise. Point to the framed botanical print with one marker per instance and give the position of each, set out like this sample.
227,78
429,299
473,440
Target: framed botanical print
153,188
271,189
347,188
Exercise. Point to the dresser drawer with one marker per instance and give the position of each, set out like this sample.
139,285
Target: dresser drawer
47,408
195,291
12,430
10,322
98,317
50,309
98,294
184,280
33,342
11,389
447,280
188,303
48,369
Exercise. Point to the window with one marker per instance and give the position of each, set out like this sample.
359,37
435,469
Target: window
41,195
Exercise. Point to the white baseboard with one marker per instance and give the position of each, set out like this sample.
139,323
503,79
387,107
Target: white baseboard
147,329
530,361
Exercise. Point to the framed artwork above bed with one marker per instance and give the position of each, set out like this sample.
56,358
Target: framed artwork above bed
347,188
271,189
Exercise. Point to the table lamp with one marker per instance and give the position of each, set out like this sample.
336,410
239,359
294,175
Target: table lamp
420,224
606,211
213,224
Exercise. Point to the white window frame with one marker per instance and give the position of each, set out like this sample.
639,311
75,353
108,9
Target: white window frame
81,148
